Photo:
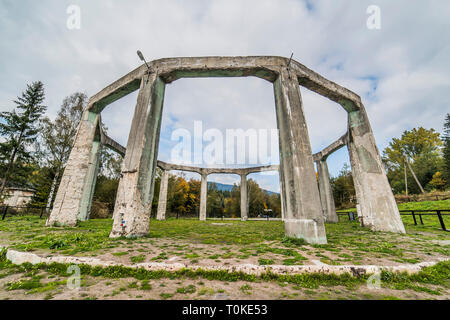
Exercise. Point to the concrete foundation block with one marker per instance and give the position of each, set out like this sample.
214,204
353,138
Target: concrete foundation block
307,229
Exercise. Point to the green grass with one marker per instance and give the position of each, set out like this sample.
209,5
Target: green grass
205,291
119,254
88,236
165,296
425,205
27,284
28,233
235,233
145,285
265,262
188,289
161,256
246,289
262,241
33,284
138,258
421,205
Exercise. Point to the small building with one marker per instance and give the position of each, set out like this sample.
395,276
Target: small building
17,197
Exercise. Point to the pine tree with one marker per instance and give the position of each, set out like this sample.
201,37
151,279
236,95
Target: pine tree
19,129
446,151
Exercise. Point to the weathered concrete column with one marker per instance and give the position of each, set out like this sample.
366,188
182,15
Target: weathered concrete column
356,174
203,196
91,179
326,193
379,210
283,210
244,197
135,191
162,200
303,214
72,201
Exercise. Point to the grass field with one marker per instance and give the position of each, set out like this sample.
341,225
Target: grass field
423,205
426,205
215,242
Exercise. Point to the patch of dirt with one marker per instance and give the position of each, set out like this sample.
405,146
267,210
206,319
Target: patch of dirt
129,288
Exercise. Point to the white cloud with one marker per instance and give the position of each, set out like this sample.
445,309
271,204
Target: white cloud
401,71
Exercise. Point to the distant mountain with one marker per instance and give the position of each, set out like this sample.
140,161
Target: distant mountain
270,192
221,186
229,187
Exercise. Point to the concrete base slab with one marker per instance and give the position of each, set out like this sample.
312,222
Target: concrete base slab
17,257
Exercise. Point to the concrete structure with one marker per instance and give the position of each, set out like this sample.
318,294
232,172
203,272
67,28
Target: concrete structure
325,191
111,144
18,258
244,197
204,172
17,197
203,196
74,198
162,199
303,214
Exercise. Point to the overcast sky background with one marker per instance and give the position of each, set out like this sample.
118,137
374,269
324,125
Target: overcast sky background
401,71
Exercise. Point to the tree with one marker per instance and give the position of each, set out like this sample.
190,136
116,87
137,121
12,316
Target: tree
194,196
233,202
57,136
110,164
158,173
178,195
183,197
446,150
19,128
56,140
41,179
412,144
106,190
421,148
343,188
437,181
216,202
275,204
255,198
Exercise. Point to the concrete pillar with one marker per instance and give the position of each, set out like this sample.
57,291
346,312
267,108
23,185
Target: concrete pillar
283,210
91,179
326,193
162,200
72,201
303,214
203,196
356,179
135,191
378,208
244,198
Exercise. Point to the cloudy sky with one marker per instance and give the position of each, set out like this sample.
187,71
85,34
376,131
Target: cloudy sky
401,71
